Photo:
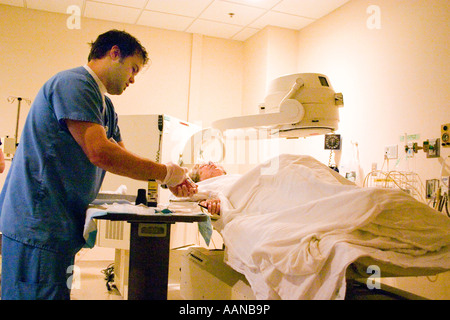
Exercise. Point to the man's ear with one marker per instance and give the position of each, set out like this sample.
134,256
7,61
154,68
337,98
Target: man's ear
114,53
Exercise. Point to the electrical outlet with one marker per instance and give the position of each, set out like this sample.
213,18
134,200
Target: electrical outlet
391,152
8,147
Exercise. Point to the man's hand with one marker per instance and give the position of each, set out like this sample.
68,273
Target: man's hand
185,189
175,175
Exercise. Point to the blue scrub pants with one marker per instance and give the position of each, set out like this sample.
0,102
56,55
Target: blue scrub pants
31,273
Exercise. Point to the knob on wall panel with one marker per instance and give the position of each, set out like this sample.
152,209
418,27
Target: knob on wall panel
445,135
332,142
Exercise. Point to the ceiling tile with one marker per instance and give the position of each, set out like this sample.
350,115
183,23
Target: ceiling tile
17,3
208,17
214,29
111,12
281,20
309,8
164,20
265,4
128,3
245,34
190,8
220,10
53,5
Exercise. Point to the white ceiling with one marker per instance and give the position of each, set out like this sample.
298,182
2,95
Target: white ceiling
229,19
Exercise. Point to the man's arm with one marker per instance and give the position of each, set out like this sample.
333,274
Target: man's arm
113,157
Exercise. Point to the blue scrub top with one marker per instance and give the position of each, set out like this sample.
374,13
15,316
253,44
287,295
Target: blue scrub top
51,182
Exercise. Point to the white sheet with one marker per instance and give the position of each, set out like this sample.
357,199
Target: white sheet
294,232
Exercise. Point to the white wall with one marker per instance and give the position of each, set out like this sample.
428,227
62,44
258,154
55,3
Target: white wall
394,79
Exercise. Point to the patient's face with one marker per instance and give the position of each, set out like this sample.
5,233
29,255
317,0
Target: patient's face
210,170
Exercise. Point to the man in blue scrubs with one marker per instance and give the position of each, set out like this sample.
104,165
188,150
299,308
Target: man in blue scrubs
70,138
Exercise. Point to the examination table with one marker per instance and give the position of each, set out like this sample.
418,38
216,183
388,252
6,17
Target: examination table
298,230
206,276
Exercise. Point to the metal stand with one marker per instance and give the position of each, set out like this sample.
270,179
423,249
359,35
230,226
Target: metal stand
149,252
11,99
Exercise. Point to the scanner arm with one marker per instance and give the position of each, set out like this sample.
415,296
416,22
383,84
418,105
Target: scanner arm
291,111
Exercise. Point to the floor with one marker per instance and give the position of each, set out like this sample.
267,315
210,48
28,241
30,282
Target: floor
89,281
92,285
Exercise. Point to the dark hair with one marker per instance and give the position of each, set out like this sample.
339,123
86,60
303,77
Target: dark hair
127,44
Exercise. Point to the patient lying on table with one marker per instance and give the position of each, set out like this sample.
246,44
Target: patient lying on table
203,171
292,226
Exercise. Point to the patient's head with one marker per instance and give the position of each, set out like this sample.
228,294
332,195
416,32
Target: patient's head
205,171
